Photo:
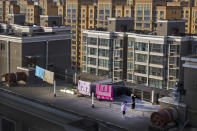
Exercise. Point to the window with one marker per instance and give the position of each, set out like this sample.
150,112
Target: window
141,46
73,53
174,48
91,70
118,53
84,68
156,60
117,74
92,41
118,43
147,13
103,52
118,13
91,13
140,80
84,58
155,83
140,57
161,15
83,13
138,25
74,47
91,61
92,51
156,71
84,38
141,69
107,11
174,73
118,64
146,25
101,11
130,44
129,65
130,55
103,63
127,13
156,48
104,42
129,76
186,14
173,61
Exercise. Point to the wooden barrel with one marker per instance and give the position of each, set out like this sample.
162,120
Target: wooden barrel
164,116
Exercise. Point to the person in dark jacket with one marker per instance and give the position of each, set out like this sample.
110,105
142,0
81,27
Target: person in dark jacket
133,101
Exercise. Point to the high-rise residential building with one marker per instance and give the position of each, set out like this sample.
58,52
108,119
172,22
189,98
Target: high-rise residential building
2,11
145,11
31,11
61,10
11,7
90,14
48,7
74,10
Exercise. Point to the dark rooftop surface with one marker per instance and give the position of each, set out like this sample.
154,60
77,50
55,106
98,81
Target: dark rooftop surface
137,120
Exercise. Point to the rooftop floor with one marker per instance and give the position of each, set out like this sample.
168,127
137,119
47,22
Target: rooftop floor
139,119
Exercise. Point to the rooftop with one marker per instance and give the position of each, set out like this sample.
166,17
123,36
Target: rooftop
34,30
103,112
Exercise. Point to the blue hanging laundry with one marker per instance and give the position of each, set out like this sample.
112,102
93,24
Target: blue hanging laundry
39,72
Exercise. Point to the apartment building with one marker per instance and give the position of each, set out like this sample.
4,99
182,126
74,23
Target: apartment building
75,9
194,20
48,7
11,7
145,12
61,10
2,11
90,14
151,60
31,11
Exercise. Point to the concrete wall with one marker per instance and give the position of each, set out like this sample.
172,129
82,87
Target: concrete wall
3,57
190,84
50,21
170,28
120,25
15,56
59,55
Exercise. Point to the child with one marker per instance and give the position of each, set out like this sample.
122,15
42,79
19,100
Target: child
123,109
